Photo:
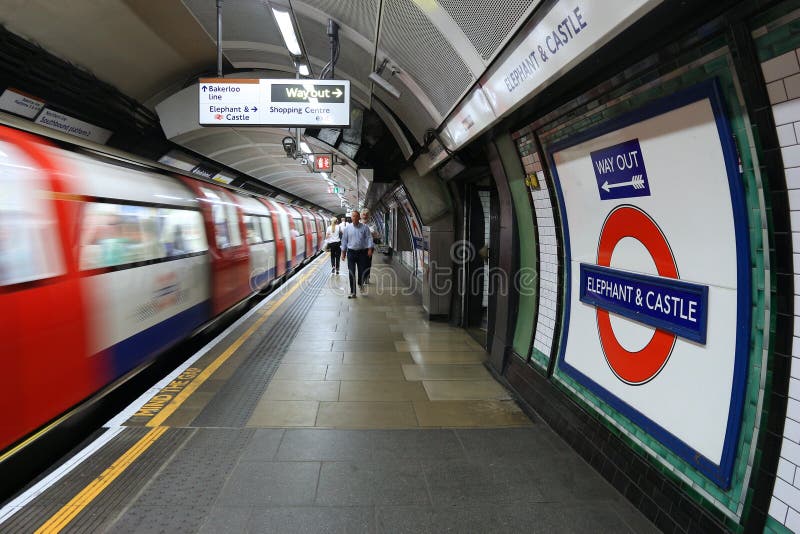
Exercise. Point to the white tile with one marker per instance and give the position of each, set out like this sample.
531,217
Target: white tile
793,412
777,92
794,388
793,178
780,67
792,84
791,431
796,345
794,201
786,112
793,519
786,470
797,130
795,366
791,155
778,509
790,451
786,135
786,492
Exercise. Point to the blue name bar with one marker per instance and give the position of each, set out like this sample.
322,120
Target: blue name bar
672,305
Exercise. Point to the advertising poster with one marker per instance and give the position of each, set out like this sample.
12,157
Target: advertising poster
657,317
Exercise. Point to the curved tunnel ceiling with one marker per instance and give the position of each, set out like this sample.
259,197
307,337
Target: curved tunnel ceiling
151,50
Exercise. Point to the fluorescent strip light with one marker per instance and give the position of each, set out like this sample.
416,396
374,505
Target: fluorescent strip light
286,27
304,147
324,175
303,69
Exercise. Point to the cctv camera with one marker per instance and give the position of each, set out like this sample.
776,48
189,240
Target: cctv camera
304,161
289,146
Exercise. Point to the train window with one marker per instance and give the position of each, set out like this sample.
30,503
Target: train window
116,234
182,231
29,236
225,219
298,226
253,228
266,229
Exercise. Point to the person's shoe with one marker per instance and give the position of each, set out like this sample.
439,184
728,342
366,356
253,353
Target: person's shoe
337,271
333,271
351,296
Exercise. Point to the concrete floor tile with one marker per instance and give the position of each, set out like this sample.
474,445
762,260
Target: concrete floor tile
372,334
381,372
300,371
366,415
313,390
311,345
446,372
449,357
351,358
474,414
263,445
436,346
465,390
369,484
436,337
270,413
271,483
316,519
226,519
375,390
366,346
310,357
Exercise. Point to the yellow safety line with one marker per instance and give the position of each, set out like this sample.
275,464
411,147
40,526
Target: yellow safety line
67,513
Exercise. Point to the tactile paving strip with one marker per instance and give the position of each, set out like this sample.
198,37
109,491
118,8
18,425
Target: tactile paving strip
49,502
181,495
234,403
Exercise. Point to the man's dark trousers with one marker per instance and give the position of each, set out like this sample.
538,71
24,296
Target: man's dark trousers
356,259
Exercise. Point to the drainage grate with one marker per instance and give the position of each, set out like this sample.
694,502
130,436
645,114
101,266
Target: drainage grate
233,405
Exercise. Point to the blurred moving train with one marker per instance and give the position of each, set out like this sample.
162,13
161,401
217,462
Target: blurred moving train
105,263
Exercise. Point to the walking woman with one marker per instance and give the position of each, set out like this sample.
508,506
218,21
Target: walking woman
333,238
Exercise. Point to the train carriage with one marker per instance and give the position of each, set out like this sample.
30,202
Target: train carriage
105,263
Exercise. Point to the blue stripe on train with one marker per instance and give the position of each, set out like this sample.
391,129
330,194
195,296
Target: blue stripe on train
261,280
145,345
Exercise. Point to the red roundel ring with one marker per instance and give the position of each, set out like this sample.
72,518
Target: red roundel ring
642,366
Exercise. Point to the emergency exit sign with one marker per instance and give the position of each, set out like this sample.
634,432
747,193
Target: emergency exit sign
323,162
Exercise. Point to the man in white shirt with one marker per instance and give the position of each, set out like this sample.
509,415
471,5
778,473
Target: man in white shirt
357,246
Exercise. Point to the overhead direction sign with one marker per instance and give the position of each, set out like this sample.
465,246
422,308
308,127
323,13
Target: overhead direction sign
278,102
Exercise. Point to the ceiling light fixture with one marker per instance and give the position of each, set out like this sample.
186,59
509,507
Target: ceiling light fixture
286,26
382,82
303,69
305,148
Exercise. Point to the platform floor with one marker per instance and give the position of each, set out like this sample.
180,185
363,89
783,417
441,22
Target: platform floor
326,414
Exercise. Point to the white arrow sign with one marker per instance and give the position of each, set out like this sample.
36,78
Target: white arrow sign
637,182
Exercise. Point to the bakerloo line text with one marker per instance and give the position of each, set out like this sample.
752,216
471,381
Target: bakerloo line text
663,303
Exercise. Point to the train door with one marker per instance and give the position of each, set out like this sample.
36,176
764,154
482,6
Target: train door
298,234
320,230
259,237
229,251
286,225
309,230
282,246
44,330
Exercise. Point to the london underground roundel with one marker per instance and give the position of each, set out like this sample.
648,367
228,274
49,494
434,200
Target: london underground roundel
639,366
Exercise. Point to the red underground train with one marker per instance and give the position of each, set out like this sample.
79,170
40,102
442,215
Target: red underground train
106,263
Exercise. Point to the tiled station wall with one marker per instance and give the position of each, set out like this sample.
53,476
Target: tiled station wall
782,75
547,248
485,197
